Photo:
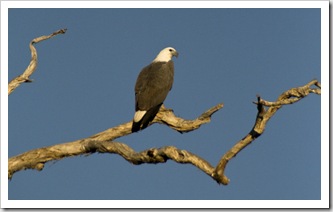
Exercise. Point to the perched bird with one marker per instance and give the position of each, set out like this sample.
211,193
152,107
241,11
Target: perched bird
152,87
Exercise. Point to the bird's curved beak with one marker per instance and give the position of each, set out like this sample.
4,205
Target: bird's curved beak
175,54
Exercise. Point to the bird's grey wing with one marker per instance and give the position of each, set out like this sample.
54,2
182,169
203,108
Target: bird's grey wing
153,85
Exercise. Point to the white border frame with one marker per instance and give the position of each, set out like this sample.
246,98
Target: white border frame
323,203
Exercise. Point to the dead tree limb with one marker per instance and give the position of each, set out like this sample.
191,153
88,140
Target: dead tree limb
264,114
17,81
103,142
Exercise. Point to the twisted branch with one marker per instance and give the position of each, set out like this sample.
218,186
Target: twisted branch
17,81
103,142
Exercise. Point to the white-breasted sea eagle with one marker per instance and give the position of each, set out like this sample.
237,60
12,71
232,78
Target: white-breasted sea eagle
152,87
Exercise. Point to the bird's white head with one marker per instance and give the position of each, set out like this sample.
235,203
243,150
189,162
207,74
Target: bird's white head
166,54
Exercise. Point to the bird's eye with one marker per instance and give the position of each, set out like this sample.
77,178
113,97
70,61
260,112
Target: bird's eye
170,50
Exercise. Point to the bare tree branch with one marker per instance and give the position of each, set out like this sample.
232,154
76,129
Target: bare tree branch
17,81
103,142
181,125
295,94
262,118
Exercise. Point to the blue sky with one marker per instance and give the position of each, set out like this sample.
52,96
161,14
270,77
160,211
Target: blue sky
84,84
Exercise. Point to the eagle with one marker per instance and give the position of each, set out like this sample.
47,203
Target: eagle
152,87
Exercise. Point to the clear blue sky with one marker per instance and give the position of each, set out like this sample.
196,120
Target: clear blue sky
85,80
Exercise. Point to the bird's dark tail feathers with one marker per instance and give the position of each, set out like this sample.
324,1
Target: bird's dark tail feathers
146,119
136,126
